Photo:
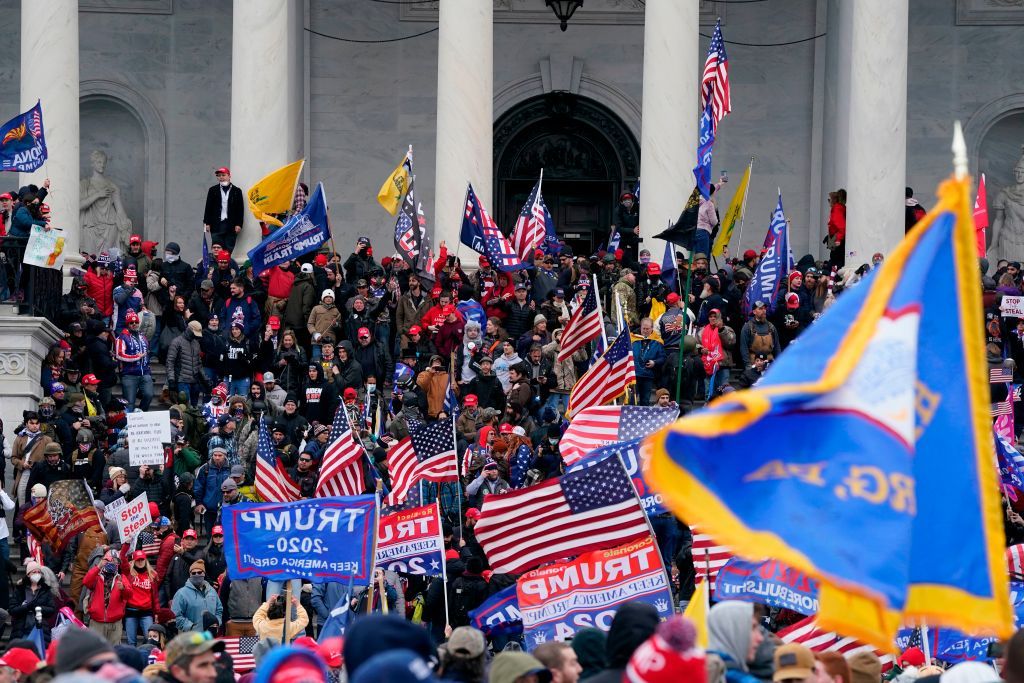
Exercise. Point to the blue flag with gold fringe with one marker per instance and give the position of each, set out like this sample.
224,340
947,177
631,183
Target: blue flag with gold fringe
865,446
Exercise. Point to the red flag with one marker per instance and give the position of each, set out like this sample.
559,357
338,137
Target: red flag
981,216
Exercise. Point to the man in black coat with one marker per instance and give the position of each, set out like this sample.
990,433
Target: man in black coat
224,211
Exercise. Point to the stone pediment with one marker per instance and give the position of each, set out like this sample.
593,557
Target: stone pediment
593,12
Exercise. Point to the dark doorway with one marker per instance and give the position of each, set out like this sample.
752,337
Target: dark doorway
588,156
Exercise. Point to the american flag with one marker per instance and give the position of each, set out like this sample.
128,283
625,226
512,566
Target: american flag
1015,559
607,379
1000,375
341,469
1002,407
530,226
240,649
427,453
807,633
480,233
584,324
715,82
600,425
708,557
272,483
592,509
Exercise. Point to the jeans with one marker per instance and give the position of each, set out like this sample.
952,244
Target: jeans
239,387
132,624
5,580
133,385
193,392
702,243
644,387
719,379
277,588
558,402
666,530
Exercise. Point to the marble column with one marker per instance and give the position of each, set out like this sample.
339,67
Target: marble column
465,118
266,97
668,136
49,74
872,145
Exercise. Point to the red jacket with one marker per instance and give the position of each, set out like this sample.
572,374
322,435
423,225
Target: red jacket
279,282
101,610
101,289
837,222
164,557
145,589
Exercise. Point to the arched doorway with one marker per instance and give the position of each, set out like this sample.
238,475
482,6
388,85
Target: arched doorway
588,155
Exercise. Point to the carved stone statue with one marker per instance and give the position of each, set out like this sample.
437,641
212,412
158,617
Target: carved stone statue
105,224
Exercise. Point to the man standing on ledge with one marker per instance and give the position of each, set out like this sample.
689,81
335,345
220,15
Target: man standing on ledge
222,217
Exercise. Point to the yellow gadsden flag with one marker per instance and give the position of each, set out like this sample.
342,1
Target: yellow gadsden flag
697,612
733,216
392,192
275,193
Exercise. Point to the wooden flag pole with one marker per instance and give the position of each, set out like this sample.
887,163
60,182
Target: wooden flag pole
743,209
444,562
287,611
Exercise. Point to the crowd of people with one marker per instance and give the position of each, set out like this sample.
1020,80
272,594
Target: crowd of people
289,347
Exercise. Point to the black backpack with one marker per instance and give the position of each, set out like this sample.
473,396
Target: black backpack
467,593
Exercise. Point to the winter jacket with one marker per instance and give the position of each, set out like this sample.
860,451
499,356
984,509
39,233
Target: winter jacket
23,612
132,352
319,398
22,222
562,375
434,385
300,302
184,362
100,288
237,357
358,267
242,309
104,609
323,319
488,390
519,319
374,360
350,372
272,628
279,282
208,481
125,299
645,350
410,312
190,602
177,572
627,297
181,274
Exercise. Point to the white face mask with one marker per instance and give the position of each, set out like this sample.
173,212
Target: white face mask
35,578
225,183
169,257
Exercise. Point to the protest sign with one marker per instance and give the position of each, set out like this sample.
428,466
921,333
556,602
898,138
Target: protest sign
410,542
499,614
768,583
1012,306
632,459
321,539
147,433
557,600
45,248
133,517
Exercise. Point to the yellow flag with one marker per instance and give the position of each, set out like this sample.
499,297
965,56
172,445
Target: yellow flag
394,188
275,193
733,216
657,310
697,612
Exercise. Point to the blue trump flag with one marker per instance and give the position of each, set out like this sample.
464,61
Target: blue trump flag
22,142
321,539
499,614
705,142
768,583
877,420
773,268
550,245
668,268
302,233
338,618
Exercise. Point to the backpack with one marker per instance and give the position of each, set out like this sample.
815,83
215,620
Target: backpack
466,596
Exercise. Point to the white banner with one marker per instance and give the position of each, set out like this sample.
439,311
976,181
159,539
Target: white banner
1012,306
45,248
147,433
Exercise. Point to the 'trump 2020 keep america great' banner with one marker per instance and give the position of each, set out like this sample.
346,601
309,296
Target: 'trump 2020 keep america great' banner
768,583
410,542
323,539
558,600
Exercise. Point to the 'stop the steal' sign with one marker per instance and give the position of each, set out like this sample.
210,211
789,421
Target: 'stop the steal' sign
558,600
324,539
132,517
1012,306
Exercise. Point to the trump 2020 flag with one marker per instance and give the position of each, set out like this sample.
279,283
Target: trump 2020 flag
22,143
302,233
705,143
773,267
879,437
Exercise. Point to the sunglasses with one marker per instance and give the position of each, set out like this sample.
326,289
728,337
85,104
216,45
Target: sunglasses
197,573
305,460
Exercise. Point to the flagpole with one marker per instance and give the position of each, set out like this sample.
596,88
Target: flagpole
707,580
359,440
650,529
444,560
458,480
685,299
600,313
925,645
743,209
373,554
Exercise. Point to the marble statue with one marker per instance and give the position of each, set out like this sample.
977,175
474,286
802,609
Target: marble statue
105,225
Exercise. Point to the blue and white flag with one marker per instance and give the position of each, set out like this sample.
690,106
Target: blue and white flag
304,232
773,268
705,142
499,614
550,245
22,143
767,583
613,241
1011,463
451,401
668,268
471,310
338,618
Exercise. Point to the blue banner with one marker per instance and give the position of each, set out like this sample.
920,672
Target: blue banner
550,245
22,143
772,270
323,539
499,614
767,583
302,233
705,142
630,452
472,311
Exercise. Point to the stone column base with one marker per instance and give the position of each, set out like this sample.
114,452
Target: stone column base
24,343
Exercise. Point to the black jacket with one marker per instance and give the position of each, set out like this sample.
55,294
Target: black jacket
236,207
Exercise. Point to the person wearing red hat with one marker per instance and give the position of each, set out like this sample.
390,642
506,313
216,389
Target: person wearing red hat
750,259
651,288
224,211
144,599
135,256
131,350
450,332
23,660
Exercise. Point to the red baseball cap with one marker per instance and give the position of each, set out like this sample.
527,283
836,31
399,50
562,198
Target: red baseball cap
274,322
363,332
190,533
135,238
653,269
749,254
331,651
21,659
139,555
223,256
472,513
505,428
672,298
451,554
484,262
792,300
217,531
320,260
90,379
415,329
471,400
435,292
222,169
447,310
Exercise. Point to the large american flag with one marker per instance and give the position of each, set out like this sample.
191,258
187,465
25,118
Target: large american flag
272,483
427,453
341,469
1000,375
1015,559
584,324
530,226
807,633
715,82
592,509
607,379
708,556
240,649
480,233
601,425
